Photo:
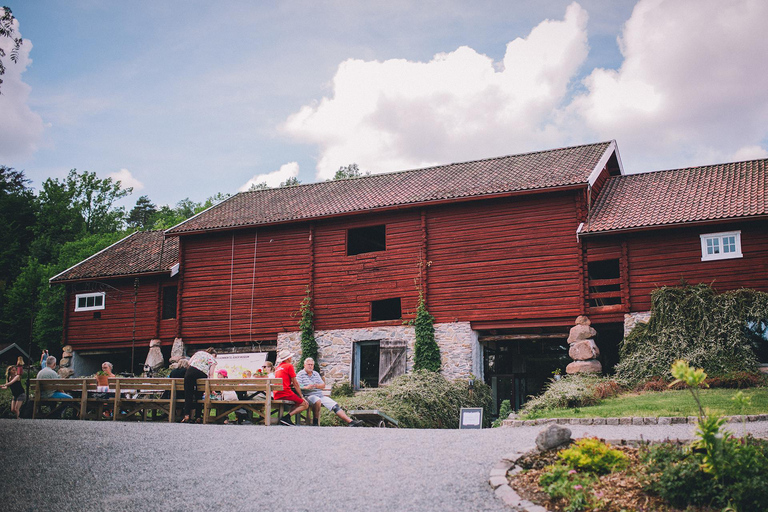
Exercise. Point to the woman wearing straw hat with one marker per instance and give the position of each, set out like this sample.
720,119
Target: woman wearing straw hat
286,372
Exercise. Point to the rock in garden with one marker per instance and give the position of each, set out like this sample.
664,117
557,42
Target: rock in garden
65,361
552,437
155,356
177,352
581,332
590,366
66,373
584,350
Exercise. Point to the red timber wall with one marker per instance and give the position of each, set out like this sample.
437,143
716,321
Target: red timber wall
665,257
513,261
243,285
344,286
499,261
113,326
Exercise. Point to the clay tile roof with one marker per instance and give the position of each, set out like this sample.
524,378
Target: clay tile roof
138,253
529,171
696,194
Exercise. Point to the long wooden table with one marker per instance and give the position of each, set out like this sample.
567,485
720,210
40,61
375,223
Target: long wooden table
139,398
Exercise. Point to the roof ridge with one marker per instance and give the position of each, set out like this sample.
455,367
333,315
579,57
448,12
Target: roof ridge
693,167
404,171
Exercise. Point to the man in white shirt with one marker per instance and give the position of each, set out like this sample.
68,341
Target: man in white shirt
312,385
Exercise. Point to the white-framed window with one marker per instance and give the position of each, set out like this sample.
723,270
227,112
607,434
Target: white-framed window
90,301
721,246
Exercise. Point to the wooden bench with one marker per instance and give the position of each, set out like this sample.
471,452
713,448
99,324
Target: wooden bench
258,409
138,396
77,388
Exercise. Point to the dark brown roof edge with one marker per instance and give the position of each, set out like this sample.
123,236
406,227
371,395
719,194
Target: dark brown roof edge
404,206
685,223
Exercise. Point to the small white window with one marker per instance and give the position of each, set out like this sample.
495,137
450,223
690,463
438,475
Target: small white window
89,301
721,246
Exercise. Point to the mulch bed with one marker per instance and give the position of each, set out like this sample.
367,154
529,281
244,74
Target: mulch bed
618,491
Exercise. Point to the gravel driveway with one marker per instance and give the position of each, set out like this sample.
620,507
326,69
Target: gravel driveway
85,465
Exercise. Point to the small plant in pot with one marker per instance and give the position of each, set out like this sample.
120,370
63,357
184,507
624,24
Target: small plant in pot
102,378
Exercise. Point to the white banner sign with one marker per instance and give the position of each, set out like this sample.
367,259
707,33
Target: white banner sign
241,366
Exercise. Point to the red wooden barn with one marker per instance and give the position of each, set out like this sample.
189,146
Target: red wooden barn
507,253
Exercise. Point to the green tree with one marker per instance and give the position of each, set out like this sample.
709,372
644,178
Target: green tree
349,171
8,30
95,198
259,186
142,215
290,182
17,216
426,351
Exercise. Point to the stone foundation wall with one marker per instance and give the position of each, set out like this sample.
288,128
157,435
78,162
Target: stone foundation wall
458,348
632,319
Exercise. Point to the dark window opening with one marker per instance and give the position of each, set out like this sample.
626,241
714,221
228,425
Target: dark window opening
387,309
367,239
604,283
169,302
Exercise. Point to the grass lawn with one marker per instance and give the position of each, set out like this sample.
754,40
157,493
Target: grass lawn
665,403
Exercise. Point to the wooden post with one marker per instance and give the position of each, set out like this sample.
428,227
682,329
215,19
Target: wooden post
37,399
172,405
207,401
268,404
116,411
83,398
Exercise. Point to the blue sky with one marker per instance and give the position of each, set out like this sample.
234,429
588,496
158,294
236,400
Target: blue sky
187,99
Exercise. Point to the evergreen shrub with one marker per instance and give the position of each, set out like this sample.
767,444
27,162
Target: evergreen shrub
579,390
426,353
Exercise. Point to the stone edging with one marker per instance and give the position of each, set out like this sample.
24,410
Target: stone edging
631,420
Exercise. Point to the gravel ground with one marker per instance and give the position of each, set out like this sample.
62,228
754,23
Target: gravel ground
85,465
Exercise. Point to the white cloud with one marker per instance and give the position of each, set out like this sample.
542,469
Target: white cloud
749,153
399,114
693,85
125,177
21,128
274,178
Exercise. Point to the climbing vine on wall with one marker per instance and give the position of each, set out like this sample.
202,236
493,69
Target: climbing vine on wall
719,332
426,352
307,327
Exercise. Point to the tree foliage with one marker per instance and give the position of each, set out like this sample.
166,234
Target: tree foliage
142,215
712,331
17,215
7,29
426,351
349,171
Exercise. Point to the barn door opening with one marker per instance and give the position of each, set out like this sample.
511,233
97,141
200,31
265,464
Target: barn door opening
377,362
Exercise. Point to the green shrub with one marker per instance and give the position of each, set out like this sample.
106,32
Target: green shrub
421,399
591,455
695,323
568,392
504,411
426,352
562,482
675,474
340,389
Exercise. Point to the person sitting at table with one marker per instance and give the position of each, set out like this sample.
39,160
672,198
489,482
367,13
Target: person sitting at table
102,378
312,384
286,372
49,373
202,365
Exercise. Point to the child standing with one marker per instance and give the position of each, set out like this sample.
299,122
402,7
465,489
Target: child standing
13,381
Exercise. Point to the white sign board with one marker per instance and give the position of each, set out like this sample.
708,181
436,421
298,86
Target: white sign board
238,365
471,417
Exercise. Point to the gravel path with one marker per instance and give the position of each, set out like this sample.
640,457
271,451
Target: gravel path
84,465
